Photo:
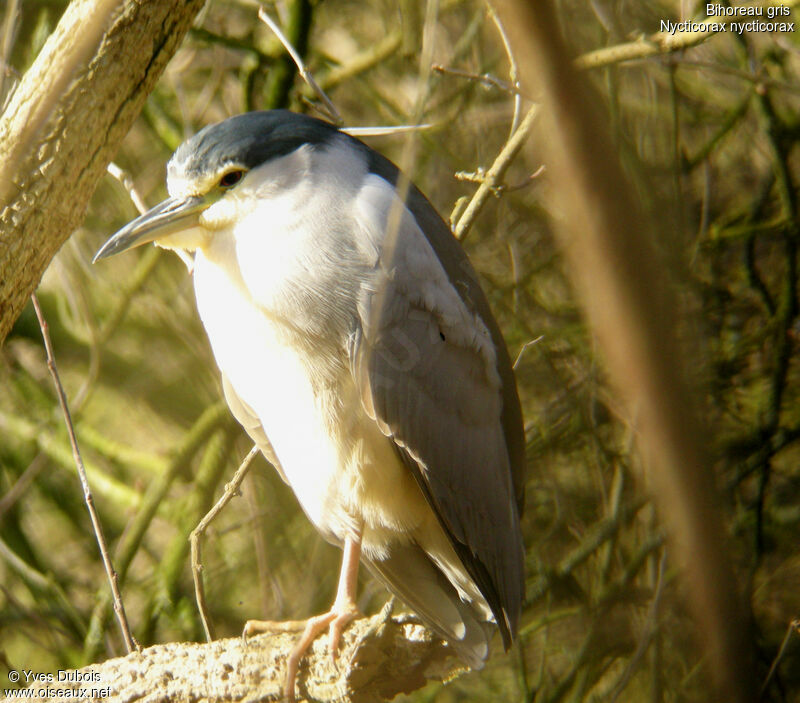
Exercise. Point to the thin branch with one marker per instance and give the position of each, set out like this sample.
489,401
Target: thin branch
494,176
385,131
231,489
127,183
22,483
119,608
486,79
301,67
650,629
362,62
513,69
204,427
525,348
793,629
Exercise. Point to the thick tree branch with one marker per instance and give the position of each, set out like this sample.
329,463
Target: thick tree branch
65,122
380,657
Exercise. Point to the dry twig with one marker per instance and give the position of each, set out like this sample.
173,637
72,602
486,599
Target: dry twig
194,539
113,580
333,113
494,176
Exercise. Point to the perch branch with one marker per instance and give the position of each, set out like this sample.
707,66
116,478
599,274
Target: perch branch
380,657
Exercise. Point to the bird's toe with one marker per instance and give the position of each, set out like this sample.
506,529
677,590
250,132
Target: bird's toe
337,626
258,627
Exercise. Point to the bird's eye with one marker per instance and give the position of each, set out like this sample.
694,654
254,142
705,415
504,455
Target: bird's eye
230,179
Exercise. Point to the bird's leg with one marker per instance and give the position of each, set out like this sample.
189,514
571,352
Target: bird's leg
344,610
336,619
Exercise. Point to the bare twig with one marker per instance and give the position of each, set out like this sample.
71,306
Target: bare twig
513,70
487,79
21,484
212,418
494,176
793,629
127,183
194,539
301,67
479,176
385,131
650,629
362,62
525,348
119,608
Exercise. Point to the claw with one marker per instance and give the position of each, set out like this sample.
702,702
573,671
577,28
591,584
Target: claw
337,627
335,620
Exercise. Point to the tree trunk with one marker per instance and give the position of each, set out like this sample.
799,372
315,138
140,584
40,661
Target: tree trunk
65,122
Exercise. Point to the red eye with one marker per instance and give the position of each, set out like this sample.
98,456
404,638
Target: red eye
230,179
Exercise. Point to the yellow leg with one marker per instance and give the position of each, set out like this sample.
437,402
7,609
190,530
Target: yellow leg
342,612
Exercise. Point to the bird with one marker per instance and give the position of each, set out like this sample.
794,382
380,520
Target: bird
359,352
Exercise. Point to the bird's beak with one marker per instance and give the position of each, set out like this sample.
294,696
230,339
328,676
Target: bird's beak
169,216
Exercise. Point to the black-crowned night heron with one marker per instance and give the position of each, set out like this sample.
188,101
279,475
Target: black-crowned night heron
359,352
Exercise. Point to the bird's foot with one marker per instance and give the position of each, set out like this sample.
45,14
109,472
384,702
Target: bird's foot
335,620
257,627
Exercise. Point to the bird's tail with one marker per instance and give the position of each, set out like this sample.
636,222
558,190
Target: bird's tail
411,575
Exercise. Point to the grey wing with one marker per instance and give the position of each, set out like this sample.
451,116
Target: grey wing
428,370
247,418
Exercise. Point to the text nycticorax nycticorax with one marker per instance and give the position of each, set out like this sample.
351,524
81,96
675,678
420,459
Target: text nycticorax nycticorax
359,352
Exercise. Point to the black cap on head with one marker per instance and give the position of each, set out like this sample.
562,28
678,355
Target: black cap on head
248,140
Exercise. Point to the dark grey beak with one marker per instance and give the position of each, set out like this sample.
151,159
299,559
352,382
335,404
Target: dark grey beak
169,216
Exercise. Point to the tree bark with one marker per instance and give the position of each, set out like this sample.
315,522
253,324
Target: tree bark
379,658
65,122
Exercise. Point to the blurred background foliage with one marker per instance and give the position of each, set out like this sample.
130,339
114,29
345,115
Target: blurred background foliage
709,135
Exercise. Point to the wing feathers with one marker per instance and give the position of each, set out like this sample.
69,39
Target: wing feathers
431,375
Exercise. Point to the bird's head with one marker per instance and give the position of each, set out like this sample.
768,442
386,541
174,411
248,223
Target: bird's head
214,176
